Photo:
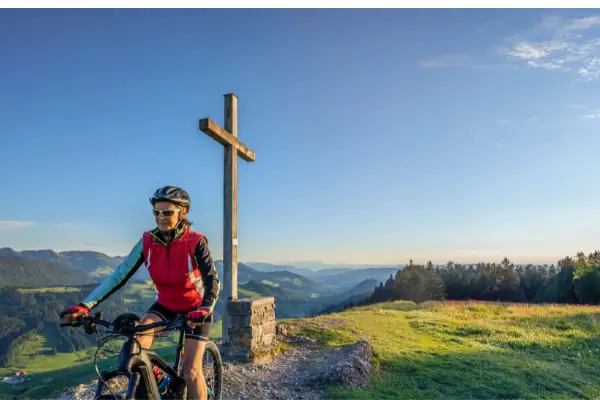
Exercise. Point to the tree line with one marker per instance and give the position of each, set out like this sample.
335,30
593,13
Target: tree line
571,280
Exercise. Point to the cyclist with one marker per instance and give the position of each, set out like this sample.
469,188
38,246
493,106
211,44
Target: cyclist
181,267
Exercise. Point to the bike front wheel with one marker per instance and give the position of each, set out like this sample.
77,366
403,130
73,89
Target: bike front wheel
212,367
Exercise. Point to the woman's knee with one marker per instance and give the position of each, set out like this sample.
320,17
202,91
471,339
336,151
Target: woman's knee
146,337
193,373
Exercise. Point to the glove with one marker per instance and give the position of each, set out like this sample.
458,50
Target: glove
199,314
78,309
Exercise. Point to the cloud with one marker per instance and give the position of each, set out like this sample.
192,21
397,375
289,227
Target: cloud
568,46
499,145
10,225
592,114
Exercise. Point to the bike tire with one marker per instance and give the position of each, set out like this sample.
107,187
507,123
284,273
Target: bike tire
212,348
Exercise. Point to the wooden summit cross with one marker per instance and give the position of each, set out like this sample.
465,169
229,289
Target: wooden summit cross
228,138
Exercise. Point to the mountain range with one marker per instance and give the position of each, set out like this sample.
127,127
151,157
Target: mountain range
297,290
334,279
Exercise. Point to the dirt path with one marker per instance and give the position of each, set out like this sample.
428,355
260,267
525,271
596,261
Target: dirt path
288,376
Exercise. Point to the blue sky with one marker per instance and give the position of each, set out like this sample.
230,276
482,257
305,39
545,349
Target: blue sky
379,135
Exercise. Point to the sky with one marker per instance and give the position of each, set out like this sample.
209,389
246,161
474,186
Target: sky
380,135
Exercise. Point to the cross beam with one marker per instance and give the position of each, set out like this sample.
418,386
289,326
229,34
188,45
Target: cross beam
213,130
232,147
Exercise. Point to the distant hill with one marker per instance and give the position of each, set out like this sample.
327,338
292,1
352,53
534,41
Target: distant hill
266,267
337,301
94,263
288,304
313,277
329,277
282,279
346,280
279,294
17,271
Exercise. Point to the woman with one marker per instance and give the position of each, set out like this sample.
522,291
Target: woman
182,270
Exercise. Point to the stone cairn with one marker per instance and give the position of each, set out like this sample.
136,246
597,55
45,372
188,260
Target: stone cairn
252,328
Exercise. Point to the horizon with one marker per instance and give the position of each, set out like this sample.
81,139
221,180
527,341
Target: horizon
314,264
380,135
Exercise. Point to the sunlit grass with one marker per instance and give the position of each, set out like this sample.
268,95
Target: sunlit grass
460,350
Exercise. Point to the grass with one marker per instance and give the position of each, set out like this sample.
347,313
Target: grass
267,282
242,293
135,291
53,373
470,350
435,350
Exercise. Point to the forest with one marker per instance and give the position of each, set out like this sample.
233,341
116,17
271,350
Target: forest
572,280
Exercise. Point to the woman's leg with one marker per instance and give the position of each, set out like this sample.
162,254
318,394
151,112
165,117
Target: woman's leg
192,368
146,337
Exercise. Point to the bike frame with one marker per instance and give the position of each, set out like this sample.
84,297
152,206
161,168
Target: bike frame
137,364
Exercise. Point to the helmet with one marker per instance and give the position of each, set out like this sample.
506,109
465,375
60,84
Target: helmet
172,194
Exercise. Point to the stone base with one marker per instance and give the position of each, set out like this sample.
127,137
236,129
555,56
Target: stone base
252,329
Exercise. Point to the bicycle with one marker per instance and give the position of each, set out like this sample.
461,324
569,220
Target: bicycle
137,364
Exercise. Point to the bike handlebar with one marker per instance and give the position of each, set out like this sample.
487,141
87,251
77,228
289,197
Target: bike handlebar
90,322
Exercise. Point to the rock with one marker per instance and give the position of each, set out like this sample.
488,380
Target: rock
350,366
281,329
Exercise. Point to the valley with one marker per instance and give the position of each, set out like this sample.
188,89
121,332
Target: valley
35,286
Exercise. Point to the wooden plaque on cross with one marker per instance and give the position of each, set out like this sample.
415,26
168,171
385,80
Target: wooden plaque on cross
232,148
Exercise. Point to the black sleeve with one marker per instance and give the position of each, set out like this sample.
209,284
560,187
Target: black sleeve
210,278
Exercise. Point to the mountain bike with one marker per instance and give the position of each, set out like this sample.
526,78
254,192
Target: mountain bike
136,364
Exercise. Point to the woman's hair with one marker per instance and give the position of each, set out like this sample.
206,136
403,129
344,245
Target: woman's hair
185,222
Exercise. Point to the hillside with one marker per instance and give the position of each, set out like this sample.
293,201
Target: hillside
91,262
29,319
282,279
16,271
459,350
94,263
267,267
332,277
346,279
337,302
434,350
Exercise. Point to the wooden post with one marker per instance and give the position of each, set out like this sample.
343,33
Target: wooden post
230,266
232,147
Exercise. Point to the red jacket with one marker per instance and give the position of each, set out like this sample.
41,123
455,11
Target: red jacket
182,271
174,270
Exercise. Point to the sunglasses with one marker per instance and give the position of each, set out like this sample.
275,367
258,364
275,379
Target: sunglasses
164,213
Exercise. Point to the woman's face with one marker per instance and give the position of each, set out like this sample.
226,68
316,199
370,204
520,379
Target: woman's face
167,215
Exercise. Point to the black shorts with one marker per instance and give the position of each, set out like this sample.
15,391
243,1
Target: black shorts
200,332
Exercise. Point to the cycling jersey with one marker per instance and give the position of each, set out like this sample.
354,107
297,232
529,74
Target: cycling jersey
182,271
